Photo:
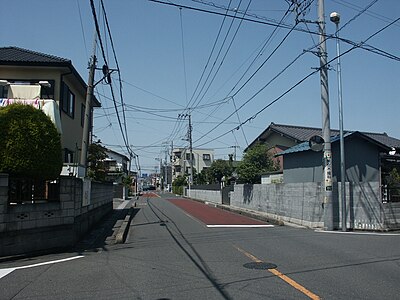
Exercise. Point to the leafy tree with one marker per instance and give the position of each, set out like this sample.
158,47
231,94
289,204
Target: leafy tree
218,169
96,156
200,178
393,179
30,146
178,184
256,161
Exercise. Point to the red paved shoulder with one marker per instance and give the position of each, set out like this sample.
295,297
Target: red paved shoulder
212,215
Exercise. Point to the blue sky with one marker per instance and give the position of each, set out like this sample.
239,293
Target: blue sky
162,51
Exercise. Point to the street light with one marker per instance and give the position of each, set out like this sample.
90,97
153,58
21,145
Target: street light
335,18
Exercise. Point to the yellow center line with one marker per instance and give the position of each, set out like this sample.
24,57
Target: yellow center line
285,278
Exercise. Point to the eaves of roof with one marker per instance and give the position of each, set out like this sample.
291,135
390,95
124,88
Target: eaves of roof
15,56
304,146
118,154
303,134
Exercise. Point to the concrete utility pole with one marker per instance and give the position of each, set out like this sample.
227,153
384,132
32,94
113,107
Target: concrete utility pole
326,130
190,147
191,153
88,109
166,170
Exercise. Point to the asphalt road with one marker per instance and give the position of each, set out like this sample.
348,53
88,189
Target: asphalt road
171,253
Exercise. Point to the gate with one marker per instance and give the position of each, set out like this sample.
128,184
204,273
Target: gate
226,194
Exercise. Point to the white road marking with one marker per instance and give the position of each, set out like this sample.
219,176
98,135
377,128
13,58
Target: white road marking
5,272
357,232
123,204
240,226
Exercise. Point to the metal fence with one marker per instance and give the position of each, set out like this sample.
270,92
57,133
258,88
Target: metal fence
390,194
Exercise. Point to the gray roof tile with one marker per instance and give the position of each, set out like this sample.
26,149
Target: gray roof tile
15,55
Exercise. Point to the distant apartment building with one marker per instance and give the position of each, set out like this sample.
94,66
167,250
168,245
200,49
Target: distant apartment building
202,159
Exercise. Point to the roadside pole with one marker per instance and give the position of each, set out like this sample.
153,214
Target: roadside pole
326,131
88,109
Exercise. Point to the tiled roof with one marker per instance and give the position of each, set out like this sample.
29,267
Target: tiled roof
299,133
16,55
304,146
303,134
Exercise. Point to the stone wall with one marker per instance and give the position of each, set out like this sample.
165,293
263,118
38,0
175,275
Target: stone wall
32,227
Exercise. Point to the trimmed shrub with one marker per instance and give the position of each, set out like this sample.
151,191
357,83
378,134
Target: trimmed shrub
30,146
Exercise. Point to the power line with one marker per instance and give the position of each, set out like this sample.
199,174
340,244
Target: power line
216,59
274,51
301,81
118,69
211,52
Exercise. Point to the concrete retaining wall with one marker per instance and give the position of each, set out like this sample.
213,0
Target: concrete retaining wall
298,203
205,195
301,203
32,227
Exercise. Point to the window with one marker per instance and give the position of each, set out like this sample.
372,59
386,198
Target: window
206,157
68,156
68,101
178,154
83,108
3,91
188,156
178,169
45,92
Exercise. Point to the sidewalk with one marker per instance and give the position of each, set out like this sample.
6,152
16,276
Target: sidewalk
104,233
112,229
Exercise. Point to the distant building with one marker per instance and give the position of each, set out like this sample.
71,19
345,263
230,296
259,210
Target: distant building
115,164
202,159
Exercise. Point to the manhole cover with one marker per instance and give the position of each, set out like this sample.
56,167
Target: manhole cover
260,266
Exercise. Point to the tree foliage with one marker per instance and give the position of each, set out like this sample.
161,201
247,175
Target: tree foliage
219,169
178,184
256,162
97,153
30,145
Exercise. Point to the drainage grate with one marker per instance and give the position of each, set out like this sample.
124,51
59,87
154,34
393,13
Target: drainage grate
260,266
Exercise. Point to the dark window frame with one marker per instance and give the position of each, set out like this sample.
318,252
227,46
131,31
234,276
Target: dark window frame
83,108
206,156
67,100
69,159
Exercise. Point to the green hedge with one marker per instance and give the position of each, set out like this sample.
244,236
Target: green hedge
30,146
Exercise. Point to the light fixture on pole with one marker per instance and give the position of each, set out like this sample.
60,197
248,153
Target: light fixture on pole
335,18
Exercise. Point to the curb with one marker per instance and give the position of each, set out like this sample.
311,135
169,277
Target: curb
124,229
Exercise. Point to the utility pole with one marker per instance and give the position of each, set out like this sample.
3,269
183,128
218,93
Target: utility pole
88,109
190,147
166,170
234,151
326,130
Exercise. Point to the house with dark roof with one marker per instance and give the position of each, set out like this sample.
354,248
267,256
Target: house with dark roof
26,67
281,137
364,159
